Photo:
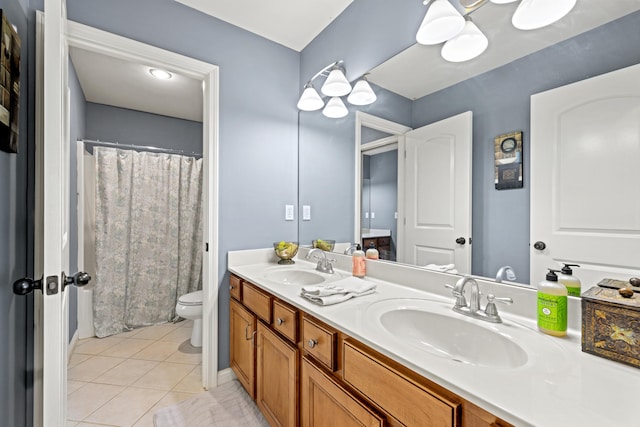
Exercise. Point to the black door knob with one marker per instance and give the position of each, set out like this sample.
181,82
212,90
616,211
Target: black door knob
26,285
79,279
461,240
541,246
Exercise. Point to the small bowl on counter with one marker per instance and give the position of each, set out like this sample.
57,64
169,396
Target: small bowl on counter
285,251
325,245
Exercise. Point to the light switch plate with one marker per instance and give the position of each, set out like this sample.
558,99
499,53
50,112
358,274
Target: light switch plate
306,212
373,215
288,212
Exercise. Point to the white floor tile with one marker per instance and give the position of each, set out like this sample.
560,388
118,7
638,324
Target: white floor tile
137,401
127,348
159,351
84,402
164,376
92,368
127,372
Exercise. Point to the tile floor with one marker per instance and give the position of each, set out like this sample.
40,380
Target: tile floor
123,379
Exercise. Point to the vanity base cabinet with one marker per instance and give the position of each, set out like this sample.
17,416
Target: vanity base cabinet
325,403
242,328
276,378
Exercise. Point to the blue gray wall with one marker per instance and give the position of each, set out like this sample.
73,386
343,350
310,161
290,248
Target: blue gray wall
113,124
16,318
258,118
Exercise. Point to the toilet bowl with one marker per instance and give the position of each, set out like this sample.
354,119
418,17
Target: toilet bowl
189,306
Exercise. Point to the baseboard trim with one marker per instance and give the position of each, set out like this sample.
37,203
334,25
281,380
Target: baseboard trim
225,376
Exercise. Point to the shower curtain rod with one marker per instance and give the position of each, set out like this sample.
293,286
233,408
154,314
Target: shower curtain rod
140,147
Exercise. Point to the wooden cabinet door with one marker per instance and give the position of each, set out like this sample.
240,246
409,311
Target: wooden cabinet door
325,403
242,328
276,378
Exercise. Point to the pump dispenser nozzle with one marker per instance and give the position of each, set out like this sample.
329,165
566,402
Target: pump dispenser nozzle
551,275
567,268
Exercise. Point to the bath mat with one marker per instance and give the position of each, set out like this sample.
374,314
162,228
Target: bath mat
229,405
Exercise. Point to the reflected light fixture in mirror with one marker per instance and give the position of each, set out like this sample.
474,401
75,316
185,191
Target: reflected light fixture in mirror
335,86
464,40
336,83
470,43
310,99
335,108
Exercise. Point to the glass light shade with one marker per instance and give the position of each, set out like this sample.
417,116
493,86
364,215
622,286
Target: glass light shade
336,84
310,99
502,1
362,94
533,14
441,23
467,45
160,74
335,108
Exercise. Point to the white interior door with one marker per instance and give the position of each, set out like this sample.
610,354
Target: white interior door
55,206
585,191
437,194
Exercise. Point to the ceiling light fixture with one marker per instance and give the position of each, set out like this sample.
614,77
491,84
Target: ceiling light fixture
160,74
464,40
467,45
335,86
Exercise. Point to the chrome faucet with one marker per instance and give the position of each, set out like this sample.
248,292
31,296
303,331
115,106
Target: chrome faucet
324,263
473,309
505,272
351,249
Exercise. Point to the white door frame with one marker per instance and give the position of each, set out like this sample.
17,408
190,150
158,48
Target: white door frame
383,125
91,39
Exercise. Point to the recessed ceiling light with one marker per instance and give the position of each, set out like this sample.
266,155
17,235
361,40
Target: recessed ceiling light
160,74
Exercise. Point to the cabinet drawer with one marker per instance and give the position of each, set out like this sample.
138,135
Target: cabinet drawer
285,320
367,242
257,301
404,400
235,287
320,342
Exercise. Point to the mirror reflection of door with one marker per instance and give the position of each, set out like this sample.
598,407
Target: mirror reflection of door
436,188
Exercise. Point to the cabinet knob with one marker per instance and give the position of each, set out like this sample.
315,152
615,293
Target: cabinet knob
312,343
279,321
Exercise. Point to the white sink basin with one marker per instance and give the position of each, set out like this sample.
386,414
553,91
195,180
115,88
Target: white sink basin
431,326
291,275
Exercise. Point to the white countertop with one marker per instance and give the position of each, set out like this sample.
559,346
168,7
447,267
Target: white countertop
559,385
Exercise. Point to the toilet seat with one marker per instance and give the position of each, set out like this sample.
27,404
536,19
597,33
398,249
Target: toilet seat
191,299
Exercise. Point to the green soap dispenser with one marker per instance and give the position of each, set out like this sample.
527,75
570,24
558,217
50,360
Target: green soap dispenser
552,306
571,282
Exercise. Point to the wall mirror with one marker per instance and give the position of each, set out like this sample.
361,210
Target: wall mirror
499,97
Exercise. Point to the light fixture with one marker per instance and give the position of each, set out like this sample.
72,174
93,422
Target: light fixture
160,74
310,99
336,83
534,14
335,86
502,1
335,108
441,23
467,45
362,94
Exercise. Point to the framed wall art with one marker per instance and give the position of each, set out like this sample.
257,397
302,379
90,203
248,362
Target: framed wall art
508,161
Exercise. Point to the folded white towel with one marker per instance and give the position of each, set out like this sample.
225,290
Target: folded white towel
444,268
338,291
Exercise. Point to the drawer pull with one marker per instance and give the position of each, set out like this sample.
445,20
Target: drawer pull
231,287
279,321
312,343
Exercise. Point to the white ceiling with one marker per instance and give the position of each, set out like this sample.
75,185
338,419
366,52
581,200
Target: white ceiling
292,23
110,81
420,70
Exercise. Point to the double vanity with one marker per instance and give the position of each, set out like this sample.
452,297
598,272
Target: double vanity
403,356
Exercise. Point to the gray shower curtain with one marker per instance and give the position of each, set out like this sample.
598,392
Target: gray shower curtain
148,237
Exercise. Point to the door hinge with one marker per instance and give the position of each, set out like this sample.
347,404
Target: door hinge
206,247
52,285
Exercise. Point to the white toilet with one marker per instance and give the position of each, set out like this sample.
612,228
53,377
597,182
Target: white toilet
189,306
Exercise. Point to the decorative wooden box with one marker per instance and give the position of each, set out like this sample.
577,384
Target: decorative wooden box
611,325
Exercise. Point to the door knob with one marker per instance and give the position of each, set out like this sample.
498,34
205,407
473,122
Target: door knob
541,246
26,285
461,240
79,279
